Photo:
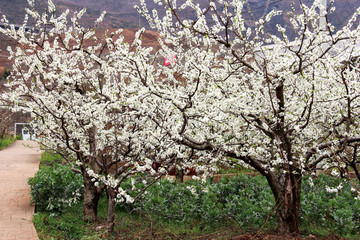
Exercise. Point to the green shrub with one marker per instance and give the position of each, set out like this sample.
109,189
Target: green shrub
6,141
248,201
337,211
49,159
5,74
243,199
55,187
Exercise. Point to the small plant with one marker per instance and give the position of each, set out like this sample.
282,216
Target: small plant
247,202
6,142
55,187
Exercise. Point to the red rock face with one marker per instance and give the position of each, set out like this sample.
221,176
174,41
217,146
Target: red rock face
4,54
121,14
150,39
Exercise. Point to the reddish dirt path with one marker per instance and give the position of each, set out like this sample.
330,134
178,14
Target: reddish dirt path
17,163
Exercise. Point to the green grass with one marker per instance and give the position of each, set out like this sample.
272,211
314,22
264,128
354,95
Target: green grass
129,225
236,169
66,226
49,159
6,142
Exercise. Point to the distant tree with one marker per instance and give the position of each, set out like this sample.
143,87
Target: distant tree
6,120
239,95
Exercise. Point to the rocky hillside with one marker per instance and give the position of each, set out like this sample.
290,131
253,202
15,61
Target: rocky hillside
122,14
124,9
15,12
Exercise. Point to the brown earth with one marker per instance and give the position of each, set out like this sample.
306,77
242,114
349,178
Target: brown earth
150,39
4,54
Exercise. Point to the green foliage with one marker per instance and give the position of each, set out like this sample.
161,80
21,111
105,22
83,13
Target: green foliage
194,208
18,137
6,142
5,74
243,200
236,169
247,199
49,159
66,226
52,188
69,225
338,212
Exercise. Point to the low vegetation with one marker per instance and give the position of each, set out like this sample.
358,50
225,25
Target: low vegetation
238,205
53,188
8,140
49,159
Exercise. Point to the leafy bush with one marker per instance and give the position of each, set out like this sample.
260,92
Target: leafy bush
248,201
55,187
5,74
6,142
241,199
330,203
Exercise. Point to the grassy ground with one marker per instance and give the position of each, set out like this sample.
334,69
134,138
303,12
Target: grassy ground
138,222
49,159
6,142
139,225
130,225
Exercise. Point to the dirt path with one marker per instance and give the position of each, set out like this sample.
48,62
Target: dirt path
17,164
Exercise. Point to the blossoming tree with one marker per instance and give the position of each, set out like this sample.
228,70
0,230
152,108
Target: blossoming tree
234,95
239,95
84,98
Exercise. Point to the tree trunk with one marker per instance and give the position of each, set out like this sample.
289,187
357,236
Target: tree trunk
179,174
91,199
111,212
287,191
